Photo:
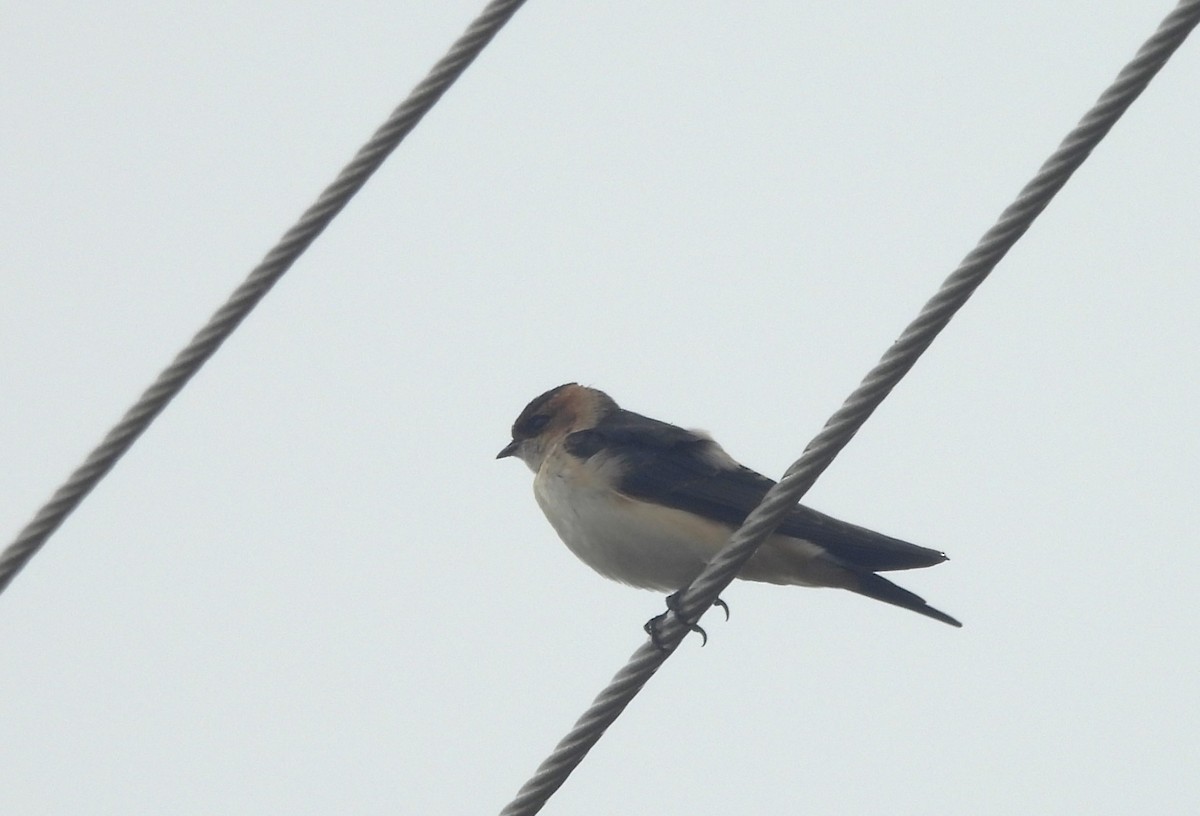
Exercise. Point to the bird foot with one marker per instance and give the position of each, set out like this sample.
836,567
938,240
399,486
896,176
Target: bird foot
653,624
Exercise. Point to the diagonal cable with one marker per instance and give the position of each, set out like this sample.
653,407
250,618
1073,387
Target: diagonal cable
260,280
842,426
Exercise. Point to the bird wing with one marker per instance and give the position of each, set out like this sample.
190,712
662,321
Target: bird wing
673,466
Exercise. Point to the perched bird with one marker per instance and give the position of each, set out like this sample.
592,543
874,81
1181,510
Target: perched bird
648,504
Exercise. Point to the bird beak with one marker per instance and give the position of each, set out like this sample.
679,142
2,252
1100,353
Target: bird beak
508,450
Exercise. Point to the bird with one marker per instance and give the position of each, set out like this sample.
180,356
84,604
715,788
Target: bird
648,503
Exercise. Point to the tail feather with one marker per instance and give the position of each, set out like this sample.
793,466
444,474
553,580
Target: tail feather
881,589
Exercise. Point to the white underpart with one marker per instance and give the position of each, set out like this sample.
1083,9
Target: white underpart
651,546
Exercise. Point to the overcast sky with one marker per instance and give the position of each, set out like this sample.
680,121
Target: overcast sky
310,588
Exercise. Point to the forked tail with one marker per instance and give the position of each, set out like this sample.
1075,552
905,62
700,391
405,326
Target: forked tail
881,589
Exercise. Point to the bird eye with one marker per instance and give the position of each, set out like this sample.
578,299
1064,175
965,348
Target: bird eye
536,423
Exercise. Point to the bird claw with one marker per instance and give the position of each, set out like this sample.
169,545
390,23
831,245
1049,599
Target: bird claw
652,625
651,629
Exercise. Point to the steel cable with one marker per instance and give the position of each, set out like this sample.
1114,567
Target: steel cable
260,280
842,426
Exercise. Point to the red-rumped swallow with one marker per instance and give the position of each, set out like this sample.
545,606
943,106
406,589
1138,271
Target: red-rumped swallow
648,504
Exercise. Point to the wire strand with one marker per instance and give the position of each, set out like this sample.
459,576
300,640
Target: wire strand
260,280
842,426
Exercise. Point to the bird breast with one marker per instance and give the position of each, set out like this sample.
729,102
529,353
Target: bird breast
635,542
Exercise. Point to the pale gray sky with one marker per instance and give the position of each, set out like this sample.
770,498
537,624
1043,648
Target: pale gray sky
310,588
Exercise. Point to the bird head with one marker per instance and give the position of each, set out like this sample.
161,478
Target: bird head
550,417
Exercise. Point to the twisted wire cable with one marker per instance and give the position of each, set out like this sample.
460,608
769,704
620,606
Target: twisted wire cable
260,280
842,426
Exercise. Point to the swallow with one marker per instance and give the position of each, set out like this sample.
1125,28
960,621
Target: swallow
648,504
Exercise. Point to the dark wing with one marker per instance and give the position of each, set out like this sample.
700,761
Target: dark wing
682,469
